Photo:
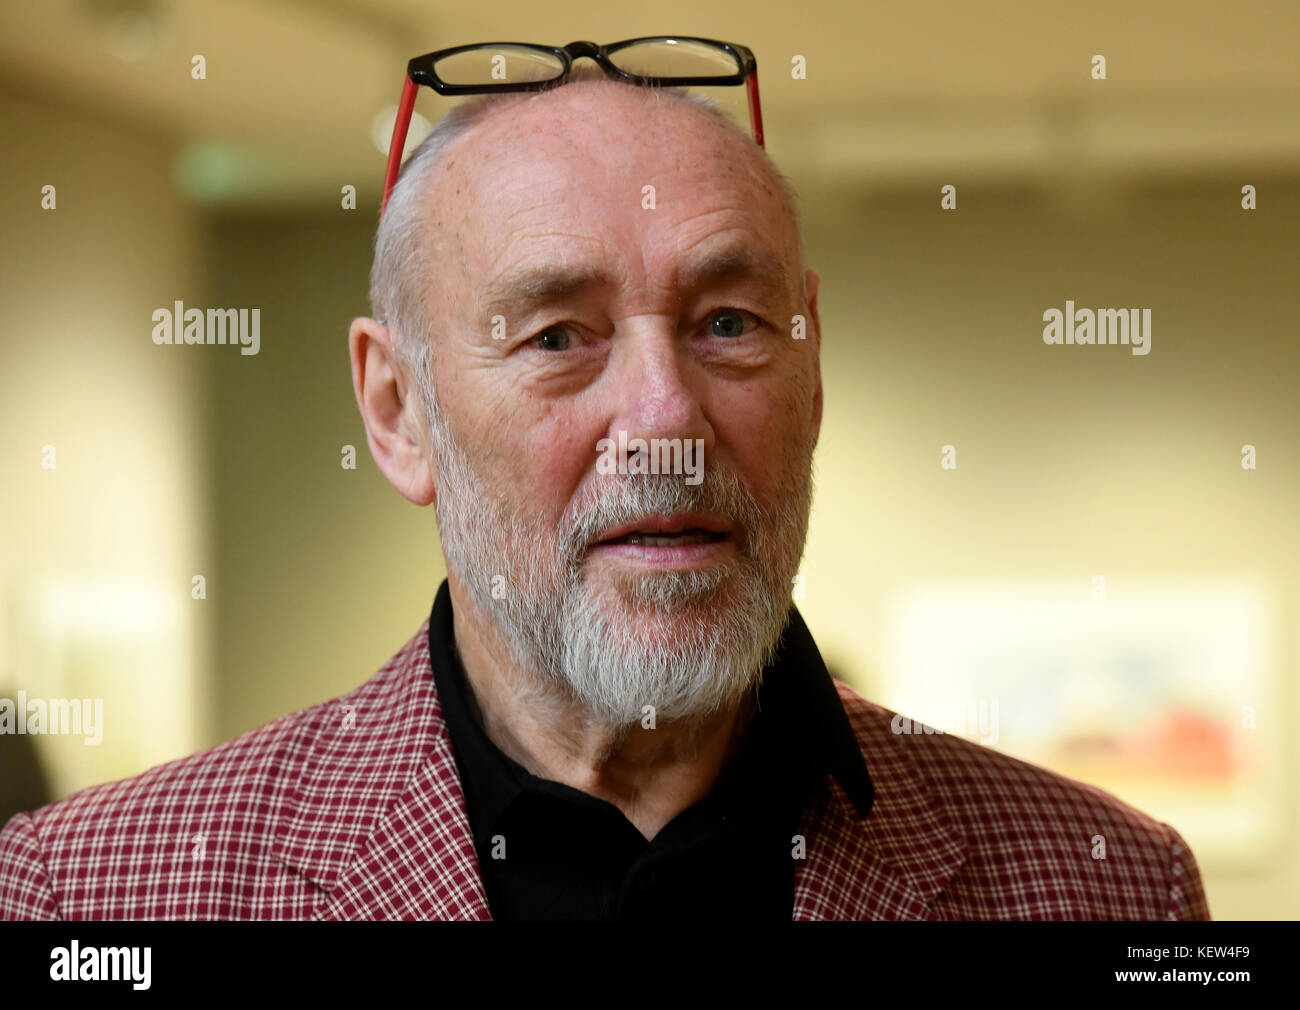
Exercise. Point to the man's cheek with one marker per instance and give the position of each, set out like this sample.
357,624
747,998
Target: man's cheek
772,432
551,469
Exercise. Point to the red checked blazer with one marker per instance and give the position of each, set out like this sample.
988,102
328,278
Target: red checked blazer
353,809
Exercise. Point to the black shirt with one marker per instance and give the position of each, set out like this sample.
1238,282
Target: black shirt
548,851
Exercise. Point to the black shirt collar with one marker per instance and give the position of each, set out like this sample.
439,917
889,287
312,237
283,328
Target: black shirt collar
800,729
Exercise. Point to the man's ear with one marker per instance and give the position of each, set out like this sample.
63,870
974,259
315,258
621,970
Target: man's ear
391,411
812,282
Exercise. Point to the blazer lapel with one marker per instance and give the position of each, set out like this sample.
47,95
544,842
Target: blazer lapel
377,821
420,863
894,863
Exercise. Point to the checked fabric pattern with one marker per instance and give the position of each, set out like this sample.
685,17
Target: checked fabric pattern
353,809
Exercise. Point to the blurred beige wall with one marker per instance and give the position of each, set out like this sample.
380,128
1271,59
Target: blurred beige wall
324,571
101,547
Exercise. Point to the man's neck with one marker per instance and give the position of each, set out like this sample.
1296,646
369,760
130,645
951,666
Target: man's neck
651,775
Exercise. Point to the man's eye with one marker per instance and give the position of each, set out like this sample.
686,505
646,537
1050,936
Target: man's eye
555,338
730,322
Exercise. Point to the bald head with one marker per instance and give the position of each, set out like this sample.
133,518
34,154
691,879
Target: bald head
592,138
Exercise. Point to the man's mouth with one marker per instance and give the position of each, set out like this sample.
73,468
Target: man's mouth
681,527
692,536
683,538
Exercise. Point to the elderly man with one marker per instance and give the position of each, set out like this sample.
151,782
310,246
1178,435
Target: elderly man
614,710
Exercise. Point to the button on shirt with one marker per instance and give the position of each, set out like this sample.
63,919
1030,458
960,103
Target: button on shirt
547,851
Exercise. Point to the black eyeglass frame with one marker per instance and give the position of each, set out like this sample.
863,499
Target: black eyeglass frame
420,71
422,68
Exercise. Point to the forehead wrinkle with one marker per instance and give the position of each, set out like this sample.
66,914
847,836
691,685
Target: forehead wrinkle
745,250
738,258
529,283
771,214
534,265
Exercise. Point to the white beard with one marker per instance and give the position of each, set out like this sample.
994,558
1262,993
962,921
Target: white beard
680,644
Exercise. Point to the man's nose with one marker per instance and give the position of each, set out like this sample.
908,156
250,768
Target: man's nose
657,391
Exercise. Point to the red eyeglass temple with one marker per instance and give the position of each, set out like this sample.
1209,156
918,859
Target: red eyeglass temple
402,124
398,144
755,109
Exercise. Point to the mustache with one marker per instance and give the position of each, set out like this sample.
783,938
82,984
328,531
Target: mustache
615,500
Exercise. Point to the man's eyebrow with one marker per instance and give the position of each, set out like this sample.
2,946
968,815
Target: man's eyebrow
733,262
527,285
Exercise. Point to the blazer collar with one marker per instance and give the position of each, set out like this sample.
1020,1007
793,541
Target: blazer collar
894,863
